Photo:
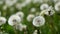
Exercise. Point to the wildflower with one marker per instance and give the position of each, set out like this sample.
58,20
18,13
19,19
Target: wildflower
2,20
33,9
57,6
21,27
14,20
20,14
10,2
38,21
30,17
49,11
44,6
35,32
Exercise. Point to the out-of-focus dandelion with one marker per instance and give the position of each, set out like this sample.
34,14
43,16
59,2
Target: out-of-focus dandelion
21,27
49,11
37,1
57,6
33,10
19,6
38,21
30,17
20,14
10,2
35,32
14,20
55,1
44,6
2,20
27,1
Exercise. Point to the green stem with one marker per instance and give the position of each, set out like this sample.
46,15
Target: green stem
15,30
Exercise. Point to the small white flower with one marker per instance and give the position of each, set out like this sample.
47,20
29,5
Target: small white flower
44,6
35,32
55,1
21,27
38,21
20,14
18,6
57,6
44,1
37,1
2,20
13,20
27,1
49,11
30,17
10,2
23,4
33,9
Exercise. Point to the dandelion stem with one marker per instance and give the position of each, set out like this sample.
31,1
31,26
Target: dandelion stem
15,30
38,32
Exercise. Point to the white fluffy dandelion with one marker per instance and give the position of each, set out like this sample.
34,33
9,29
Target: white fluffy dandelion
13,20
44,6
20,14
21,27
30,17
57,6
49,11
10,2
35,32
2,20
27,1
55,1
19,6
33,9
38,21
37,1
